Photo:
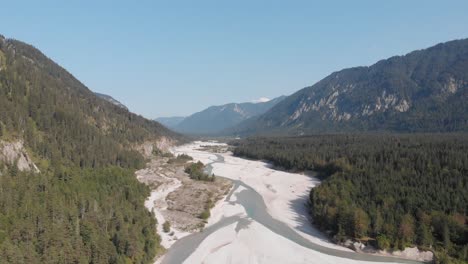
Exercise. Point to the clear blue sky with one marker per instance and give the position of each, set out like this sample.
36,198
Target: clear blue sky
165,58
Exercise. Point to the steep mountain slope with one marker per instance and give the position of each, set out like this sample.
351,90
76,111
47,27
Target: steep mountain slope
216,118
111,99
425,90
170,122
83,203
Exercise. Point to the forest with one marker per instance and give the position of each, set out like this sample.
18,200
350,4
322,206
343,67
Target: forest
388,190
89,216
85,205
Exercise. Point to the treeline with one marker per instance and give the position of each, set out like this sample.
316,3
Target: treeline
392,191
85,206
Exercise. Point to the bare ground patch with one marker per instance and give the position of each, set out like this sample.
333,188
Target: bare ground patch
184,206
188,202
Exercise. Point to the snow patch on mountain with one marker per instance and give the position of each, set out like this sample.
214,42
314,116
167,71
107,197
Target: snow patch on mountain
261,100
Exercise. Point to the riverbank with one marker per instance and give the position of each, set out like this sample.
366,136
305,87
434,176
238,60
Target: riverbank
161,185
285,193
177,200
262,219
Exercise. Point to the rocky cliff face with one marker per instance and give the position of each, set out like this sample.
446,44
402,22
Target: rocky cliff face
162,144
337,103
14,153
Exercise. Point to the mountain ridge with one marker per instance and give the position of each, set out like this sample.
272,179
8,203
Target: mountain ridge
214,119
424,90
67,163
170,121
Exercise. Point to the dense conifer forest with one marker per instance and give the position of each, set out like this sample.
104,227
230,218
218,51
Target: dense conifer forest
389,190
85,205
79,216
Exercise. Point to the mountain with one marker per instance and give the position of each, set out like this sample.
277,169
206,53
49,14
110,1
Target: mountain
110,99
425,90
67,160
217,118
170,122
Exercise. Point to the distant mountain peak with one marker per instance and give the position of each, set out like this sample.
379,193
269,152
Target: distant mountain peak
170,122
215,119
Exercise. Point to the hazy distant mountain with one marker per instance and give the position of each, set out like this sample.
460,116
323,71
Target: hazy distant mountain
111,100
425,90
217,118
170,122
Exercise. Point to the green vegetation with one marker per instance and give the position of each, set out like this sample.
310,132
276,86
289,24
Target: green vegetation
205,214
195,171
167,227
184,157
60,119
400,190
209,202
180,159
86,205
208,205
78,216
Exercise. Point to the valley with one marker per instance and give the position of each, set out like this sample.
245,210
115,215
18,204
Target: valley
257,132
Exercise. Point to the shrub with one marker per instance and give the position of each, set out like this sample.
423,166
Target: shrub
205,214
166,227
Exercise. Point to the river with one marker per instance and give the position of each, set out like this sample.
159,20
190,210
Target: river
255,211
